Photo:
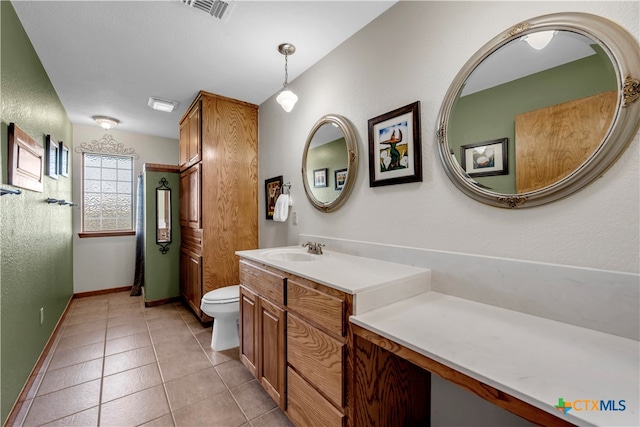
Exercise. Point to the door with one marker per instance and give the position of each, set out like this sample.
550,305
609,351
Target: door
272,350
248,330
190,213
191,278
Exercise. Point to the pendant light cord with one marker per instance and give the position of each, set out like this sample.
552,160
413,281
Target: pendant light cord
286,69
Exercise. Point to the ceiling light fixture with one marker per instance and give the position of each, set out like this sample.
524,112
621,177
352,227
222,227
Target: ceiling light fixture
162,104
539,40
106,122
286,98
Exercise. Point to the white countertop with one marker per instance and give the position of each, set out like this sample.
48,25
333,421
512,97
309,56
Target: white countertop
531,358
348,273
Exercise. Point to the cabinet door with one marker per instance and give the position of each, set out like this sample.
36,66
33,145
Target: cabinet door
271,348
194,142
190,213
184,143
248,330
191,278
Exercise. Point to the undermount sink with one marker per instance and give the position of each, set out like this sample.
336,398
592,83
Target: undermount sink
289,255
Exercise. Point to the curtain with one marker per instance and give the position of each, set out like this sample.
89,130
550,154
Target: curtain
138,279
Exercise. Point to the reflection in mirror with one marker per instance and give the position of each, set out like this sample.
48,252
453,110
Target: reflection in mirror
163,216
554,105
329,162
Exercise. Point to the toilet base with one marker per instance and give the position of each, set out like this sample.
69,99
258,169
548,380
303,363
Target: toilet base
225,333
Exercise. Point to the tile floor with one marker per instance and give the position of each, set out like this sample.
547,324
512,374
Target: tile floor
117,363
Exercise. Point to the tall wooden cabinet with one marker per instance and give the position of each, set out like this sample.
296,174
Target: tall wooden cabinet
218,193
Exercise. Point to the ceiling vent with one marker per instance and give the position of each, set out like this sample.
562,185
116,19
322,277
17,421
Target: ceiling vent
216,8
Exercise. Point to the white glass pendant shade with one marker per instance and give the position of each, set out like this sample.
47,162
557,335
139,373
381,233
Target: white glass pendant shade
287,100
539,40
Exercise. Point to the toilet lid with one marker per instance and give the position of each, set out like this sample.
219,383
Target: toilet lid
223,295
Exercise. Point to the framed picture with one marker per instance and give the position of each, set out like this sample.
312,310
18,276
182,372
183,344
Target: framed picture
340,177
320,178
395,153
64,160
485,158
272,189
52,151
26,160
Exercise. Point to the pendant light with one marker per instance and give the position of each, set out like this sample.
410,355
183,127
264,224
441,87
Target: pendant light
286,98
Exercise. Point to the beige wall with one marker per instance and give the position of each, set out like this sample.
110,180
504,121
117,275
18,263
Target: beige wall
410,53
109,262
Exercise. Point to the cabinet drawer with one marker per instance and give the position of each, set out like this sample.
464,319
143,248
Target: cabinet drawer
306,407
325,310
317,357
262,282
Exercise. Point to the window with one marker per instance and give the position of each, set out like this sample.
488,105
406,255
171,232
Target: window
107,199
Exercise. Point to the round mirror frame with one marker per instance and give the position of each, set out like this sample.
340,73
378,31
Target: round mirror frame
624,54
352,166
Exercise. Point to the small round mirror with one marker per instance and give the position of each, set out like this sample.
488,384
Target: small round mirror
541,110
330,162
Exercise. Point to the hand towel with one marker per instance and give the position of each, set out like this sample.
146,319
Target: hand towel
281,211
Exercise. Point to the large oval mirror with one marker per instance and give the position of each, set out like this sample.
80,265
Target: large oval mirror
541,110
330,162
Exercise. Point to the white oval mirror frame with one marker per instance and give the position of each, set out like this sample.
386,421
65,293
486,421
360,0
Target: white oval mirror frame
348,182
624,53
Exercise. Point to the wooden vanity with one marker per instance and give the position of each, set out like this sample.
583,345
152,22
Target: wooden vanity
294,341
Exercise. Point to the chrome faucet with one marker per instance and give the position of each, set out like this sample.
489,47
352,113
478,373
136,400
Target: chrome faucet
313,248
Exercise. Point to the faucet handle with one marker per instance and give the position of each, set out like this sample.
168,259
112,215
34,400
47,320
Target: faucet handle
319,247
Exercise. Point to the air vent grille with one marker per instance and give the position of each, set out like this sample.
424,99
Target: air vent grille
216,8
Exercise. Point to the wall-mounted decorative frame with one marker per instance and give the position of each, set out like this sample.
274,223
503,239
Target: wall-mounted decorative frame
487,158
163,216
52,149
272,189
395,151
320,178
64,160
340,176
25,160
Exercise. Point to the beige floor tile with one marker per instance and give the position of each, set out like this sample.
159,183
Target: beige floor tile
233,373
185,364
86,418
252,399
160,311
69,376
165,322
73,356
124,330
274,418
193,388
63,403
129,382
134,409
119,319
219,410
80,340
129,342
128,360
81,328
165,421
171,333
177,347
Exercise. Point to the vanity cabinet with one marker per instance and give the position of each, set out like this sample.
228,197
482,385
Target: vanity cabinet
218,193
295,341
262,328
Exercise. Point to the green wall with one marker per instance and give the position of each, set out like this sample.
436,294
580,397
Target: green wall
36,252
161,272
490,114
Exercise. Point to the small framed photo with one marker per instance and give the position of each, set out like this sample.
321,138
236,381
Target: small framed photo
64,160
340,178
395,153
486,158
52,151
272,189
320,178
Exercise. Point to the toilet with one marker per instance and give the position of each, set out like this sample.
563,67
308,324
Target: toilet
223,305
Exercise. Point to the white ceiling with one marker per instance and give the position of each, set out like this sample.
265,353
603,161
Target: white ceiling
109,57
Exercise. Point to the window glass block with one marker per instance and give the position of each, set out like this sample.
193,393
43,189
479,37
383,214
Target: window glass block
92,160
92,224
124,175
91,185
92,173
109,186
109,174
124,187
125,163
109,162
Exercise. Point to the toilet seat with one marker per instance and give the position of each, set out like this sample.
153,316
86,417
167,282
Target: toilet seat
226,295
